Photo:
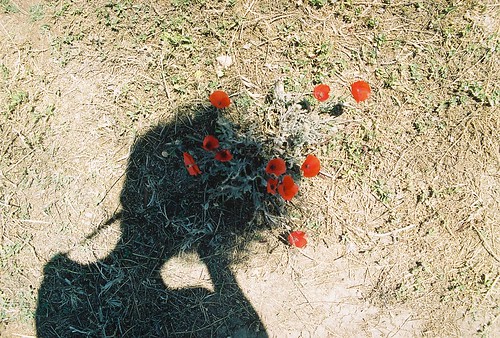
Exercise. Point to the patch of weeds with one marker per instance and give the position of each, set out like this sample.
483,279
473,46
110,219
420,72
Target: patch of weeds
179,84
436,71
183,3
174,33
45,28
21,308
314,225
455,289
4,306
381,191
243,101
213,85
371,54
494,98
447,10
293,85
47,113
354,152
5,72
16,99
420,125
372,22
323,50
63,9
321,64
113,13
119,7
486,280
401,292
8,7
450,191
287,28
224,26
7,252
426,123
415,72
177,39
418,272
414,283
135,115
475,90
388,77
36,12
177,24
111,22
318,3
71,38
60,45
339,65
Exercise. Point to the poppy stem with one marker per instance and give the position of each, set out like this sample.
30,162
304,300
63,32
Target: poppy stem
301,250
391,233
303,295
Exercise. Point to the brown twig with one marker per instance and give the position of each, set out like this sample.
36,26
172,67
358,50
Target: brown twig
486,247
391,233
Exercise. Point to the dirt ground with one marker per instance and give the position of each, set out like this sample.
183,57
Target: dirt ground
402,222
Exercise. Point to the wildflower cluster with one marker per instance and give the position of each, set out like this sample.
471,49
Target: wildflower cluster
277,180
287,188
360,91
223,160
211,144
284,184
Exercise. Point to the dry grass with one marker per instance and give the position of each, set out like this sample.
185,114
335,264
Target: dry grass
403,224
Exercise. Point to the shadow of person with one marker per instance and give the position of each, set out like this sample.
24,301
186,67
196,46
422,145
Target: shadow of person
164,211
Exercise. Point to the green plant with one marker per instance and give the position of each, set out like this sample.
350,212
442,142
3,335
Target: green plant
381,191
372,22
16,99
37,12
8,6
318,3
475,90
5,72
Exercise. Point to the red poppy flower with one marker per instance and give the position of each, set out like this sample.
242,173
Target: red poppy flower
191,165
223,156
272,184
219,99
297,238
311,166
321,92
360,90
288,188
276,166
210,143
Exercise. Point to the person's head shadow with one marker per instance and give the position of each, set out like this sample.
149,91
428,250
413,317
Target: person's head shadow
165,211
